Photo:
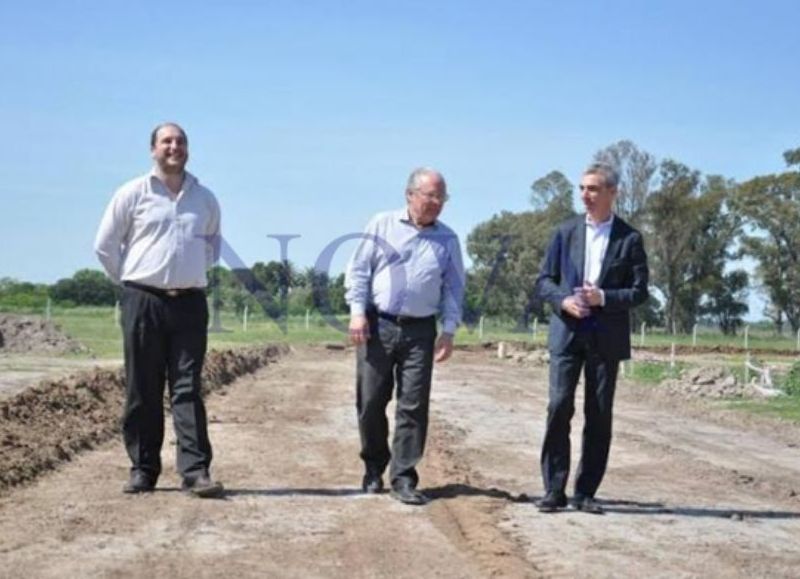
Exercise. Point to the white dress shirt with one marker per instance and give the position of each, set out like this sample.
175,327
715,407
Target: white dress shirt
403,270
597,236
152,237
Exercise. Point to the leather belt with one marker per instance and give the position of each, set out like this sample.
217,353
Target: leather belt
405,320
163,292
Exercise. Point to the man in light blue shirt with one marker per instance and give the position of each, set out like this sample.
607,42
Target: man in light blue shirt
406,271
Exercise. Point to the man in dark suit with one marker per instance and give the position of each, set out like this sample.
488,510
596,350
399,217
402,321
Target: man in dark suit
594,272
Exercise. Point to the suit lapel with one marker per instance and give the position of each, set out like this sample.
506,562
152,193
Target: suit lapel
614,245
577,250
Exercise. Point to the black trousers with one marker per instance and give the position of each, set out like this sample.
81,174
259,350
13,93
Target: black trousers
164,339
395,355
600,377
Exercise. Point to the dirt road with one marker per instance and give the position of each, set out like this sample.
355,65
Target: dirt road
685,496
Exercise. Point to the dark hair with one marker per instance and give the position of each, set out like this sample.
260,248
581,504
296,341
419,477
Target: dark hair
154,134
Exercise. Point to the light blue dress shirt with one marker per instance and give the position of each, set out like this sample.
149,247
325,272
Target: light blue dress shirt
403,270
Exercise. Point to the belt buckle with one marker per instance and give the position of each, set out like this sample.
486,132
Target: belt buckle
173,293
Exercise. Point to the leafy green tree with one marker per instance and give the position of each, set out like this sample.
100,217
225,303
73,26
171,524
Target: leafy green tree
87,287
727,301
507,250
16,294
692,233
672,218
553,192
712,248
792,157
770,205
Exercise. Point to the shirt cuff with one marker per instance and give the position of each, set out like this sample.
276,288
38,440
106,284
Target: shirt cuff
358,310
602,298
449,327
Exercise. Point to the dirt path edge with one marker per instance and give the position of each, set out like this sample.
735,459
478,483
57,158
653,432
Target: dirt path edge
48,424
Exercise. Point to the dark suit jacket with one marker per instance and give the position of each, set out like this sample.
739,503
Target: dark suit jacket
623,278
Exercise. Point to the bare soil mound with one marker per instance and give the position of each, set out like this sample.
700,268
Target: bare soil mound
49,423
23,334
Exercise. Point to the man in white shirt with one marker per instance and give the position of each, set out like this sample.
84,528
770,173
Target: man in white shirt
594,272
158,237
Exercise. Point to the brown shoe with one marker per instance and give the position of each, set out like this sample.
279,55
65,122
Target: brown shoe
201,485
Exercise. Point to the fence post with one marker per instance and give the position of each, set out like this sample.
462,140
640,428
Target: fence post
694,336
117,314
674,331
244,317
308,319
536,328
672,356
480,328
747,337
798,340
747,368
641,338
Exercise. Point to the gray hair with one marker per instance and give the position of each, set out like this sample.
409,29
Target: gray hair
417,175
607,172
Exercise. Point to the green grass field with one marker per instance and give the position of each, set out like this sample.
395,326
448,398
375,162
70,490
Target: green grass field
98,330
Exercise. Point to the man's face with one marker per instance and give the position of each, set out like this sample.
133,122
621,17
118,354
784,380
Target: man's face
426,202
170,151
597,197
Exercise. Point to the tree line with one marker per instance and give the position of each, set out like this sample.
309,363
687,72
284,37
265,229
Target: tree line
278,288
696,228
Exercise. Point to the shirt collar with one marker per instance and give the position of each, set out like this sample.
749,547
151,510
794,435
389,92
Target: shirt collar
403,216
188,180
602,225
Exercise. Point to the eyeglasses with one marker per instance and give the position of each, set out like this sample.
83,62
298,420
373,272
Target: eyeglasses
440,197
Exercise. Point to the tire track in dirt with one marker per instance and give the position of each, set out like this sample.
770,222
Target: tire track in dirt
469,512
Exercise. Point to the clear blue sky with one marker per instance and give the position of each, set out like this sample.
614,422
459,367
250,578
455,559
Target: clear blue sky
306,117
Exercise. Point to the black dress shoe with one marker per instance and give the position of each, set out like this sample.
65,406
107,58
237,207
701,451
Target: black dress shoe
372,484
552,501
140,482
200,485
587,505
409,496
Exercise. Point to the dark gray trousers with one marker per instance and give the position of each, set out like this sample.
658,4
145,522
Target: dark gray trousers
600,377
164,338
401,355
